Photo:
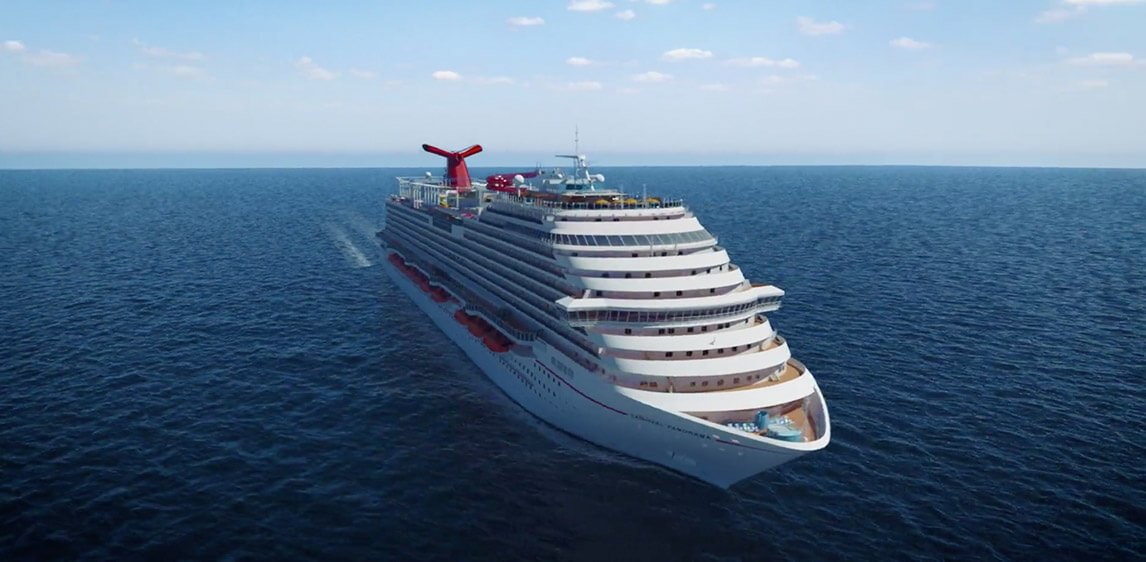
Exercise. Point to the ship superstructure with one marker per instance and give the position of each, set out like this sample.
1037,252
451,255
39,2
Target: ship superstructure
616,318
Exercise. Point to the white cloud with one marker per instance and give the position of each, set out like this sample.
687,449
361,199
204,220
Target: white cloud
578,61
310,69
588,5
709,6
523,21
909,44
185,71
446,75
583,86
14,46
764,61
1076,8
1111,59
652,76
686,54
1101,2
655,2
714,87
625,15
362,73
808,26
1092,84
1060,14
51,59
161,53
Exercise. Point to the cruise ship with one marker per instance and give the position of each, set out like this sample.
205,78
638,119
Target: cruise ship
615,317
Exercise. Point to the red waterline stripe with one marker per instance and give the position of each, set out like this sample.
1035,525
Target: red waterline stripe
587,397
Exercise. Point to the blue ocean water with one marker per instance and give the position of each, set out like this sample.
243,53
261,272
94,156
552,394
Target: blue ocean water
209,364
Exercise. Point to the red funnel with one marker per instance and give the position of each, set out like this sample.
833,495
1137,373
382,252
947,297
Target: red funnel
457,174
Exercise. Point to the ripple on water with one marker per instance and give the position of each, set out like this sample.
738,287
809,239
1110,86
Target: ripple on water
194,366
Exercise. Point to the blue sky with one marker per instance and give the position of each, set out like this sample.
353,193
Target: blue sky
1016,82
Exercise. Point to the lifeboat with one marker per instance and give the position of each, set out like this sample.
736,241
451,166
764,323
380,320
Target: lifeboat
439,294
478,327
497,342
461,317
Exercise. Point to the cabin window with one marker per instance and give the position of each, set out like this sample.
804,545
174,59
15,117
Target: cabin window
690,329
647,275
605,275
689,354
628,275
721,350
672,330
705,383
704,328
693,383
634,255
661,331
710,291
705,352
600,293
668,354
694,272
736,380
720,382
657,294
628,331
679,293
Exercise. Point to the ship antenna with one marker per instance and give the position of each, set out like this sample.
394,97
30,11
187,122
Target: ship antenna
576,141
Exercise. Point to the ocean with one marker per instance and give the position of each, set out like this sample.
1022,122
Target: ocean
209,364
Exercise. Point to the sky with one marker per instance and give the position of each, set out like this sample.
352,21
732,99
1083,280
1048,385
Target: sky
111,83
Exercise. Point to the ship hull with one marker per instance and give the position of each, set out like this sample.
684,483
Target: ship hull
562,393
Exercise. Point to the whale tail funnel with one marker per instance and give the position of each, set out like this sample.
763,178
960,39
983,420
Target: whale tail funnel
457,174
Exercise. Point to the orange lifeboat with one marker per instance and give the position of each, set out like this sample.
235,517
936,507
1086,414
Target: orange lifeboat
461,317
478,327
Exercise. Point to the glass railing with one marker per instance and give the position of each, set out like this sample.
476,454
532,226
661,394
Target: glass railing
605,201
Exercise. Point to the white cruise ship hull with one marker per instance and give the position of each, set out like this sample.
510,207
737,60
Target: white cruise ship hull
571,398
